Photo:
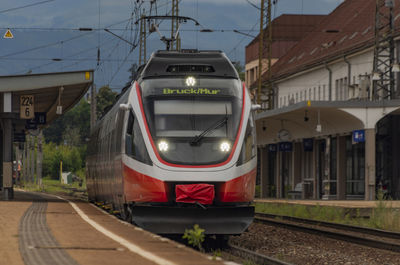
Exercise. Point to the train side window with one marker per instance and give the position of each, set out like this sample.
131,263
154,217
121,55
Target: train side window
134,143
248,150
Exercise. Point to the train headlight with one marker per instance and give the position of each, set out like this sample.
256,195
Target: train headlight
225,147
163,146
190,81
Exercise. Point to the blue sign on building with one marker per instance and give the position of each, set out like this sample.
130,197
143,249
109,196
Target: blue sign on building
40,117
272,148
308,144
286,147
358,136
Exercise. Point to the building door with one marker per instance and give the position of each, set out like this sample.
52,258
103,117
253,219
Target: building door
271,186
355,169
286,158
320,167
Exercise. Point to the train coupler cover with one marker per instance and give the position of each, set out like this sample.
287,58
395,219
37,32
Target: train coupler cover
195,193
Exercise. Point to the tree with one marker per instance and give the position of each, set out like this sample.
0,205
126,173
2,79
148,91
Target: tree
76,119
105,98
133,74
72,136
240,69
71,156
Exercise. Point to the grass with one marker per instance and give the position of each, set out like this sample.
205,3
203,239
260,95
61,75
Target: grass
383,216
55,187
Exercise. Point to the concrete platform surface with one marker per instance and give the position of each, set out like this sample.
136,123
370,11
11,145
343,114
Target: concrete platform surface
42,229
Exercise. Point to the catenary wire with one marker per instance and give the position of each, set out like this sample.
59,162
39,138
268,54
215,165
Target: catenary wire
20,7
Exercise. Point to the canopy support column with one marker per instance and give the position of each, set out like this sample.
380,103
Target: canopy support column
370,166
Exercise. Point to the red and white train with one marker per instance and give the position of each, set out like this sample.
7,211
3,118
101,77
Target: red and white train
178,148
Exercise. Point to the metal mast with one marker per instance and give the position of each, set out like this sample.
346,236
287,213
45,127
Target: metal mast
383,78
269,52
260,52
142,41
175,26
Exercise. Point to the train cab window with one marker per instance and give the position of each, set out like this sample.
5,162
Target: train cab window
134,143
193,126
248,150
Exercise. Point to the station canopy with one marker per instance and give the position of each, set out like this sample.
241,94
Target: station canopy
301,120
50,90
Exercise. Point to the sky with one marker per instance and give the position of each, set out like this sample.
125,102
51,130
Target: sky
47,39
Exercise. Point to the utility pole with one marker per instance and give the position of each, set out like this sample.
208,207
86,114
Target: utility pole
32,157
175,26
93,115
269,52
25,161
383,77
39,159
142,41
260,52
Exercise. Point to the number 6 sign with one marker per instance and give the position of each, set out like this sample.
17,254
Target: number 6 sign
27,110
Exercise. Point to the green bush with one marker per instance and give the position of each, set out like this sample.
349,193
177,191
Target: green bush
71,157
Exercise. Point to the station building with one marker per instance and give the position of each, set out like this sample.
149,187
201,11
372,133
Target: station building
329,134
287,31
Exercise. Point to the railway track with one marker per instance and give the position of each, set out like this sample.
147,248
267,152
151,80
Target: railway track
255,257
375,238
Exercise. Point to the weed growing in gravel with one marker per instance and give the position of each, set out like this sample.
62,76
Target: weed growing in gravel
249,262
195,237
384,216
216,254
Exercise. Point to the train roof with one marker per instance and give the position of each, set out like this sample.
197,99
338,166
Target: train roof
182,63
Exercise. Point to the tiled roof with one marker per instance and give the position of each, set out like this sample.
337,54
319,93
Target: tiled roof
349,27
287,30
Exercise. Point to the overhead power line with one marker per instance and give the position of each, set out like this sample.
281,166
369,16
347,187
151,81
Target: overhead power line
44,46
20,7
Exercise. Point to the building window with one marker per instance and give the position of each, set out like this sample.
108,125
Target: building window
301,95
341,89
323,92
309,94
319,92
355,168
336,89
297,97
314,95
333,166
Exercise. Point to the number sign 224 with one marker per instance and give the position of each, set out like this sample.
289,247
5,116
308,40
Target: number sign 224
27,107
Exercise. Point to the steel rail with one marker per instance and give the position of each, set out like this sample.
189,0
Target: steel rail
345,227
304,225
253,256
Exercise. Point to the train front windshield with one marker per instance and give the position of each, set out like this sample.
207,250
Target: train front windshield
194,125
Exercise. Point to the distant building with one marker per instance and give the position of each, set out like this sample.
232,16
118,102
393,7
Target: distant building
287,30
330,135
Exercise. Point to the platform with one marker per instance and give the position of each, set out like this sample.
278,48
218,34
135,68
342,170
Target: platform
42,229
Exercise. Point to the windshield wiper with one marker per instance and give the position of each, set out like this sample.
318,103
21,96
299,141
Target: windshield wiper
197,139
